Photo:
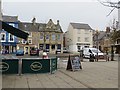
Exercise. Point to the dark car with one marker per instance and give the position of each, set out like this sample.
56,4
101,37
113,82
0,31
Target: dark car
20,52
34,51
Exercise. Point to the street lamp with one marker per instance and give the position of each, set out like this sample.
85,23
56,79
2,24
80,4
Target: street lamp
44,41
97,43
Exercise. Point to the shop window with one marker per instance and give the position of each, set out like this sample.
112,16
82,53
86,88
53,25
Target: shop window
41,46
59,46
53,47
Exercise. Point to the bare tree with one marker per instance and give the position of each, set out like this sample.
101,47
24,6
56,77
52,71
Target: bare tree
113,5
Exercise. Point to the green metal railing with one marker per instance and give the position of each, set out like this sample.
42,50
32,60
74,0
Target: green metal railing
35,65
9,66
28,65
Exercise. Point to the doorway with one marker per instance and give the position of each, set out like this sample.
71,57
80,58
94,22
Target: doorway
26,50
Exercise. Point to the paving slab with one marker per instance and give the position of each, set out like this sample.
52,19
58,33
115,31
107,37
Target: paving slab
96,74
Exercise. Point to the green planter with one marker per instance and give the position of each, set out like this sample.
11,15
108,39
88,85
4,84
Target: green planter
9,66
53,64
35,65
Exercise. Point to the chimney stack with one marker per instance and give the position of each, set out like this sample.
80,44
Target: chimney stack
57,22
107,29
34,21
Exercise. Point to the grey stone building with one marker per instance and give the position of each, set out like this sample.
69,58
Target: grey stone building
44,36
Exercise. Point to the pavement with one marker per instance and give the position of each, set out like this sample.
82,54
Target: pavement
99,74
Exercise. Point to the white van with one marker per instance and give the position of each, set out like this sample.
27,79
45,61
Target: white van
86,52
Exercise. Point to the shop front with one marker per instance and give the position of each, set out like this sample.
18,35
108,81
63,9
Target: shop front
8,48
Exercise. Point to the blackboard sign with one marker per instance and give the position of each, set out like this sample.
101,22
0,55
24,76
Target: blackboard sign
74,63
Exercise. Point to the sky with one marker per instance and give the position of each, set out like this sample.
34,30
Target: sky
77,11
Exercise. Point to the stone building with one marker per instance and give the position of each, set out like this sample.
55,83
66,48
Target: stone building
78,36
44,36
7,40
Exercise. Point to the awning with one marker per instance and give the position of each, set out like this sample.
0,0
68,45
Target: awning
15,31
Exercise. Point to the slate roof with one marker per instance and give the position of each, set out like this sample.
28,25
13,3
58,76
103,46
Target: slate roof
81,26
30,26
15,31
101,35
6,18
38,27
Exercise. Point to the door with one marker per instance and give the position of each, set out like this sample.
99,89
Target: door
26,50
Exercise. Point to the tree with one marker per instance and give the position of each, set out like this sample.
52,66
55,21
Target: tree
113,5
115,34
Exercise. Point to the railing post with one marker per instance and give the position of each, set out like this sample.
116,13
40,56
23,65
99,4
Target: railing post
50,66
20,67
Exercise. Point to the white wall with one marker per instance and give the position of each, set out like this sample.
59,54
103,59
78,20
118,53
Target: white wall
72,38
73,48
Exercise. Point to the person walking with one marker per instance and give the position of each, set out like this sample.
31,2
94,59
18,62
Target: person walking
91,56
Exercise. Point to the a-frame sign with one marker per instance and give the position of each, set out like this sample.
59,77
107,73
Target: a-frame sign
74,63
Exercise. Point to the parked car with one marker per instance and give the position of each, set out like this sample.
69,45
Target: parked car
34,51
20,52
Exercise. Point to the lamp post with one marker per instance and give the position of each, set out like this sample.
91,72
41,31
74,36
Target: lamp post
97,43
44,37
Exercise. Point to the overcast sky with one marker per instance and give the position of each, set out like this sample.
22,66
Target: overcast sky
90,12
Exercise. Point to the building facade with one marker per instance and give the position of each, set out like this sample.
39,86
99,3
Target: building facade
44,36
102,40
78,36
8,41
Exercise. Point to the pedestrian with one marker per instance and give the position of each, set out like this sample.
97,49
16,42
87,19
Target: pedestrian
107,56
45,56
37,52
91,56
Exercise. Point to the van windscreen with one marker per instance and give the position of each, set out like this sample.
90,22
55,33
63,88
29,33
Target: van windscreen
96,50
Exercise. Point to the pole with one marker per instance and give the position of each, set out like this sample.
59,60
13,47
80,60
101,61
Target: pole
112,54
97,44
44,42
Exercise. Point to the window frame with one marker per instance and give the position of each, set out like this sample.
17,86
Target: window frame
4,37
9,38
53,37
